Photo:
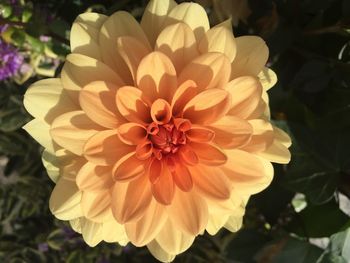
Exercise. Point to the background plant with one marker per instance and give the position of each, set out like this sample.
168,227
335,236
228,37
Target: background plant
302,217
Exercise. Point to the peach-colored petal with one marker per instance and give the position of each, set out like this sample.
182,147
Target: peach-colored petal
200,134
178,42
97,99
210,70
211,182
46,99
65,200
187,155
51,164
208,153
219,39
251,57
117,25
208,106
182,176
193,15
105,148
163,188
131,104
94,178
154,16
182,96
131,200
249,173
144,150
72,129
262,137
172,240
128,168
232,132
79,70
95,205
84,34
246,94
161,111
156,76
132,133
155,170
147,227
189,212
132,51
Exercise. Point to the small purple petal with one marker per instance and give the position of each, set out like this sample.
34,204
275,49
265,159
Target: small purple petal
10,60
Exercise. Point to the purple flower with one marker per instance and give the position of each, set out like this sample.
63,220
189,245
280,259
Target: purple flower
10,60
43,247
3,28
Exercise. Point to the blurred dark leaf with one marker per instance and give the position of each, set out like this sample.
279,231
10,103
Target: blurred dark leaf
328,223
338,249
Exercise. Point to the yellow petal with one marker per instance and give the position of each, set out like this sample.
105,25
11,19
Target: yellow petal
251,57
79,70
277,153
147,227
246,94
282,137
114,232
193,15
105,148
216,222
76,224
219,39
210,70
65,200
97,99
92,232
117,25
159,253
51,164
84,34
268,78
208,106
156,76
189,212
40,131
234,223
72,130
130,201
178,42
249,173
132,51
154,16
46,100
172,240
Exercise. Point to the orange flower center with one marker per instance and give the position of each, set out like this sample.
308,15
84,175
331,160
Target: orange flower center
168,138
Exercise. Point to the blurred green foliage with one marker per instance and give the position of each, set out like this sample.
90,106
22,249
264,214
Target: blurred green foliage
309,43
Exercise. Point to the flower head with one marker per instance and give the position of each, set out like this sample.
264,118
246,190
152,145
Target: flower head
10,62
159,131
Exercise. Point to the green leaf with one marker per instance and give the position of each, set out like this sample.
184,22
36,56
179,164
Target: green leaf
297,251
327,223
5,10
56,239
338,249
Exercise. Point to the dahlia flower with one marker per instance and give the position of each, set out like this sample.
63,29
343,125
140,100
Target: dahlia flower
156,132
